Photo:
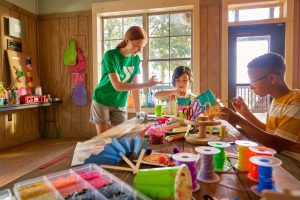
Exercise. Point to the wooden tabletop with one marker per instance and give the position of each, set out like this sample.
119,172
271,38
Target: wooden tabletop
233,184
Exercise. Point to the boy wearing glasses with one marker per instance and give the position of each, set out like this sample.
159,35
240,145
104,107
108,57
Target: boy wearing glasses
282,128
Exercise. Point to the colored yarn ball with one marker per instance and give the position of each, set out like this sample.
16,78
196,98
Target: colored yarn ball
176,150
148,151
163,159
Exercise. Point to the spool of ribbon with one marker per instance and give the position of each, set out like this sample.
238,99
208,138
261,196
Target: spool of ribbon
258,151
220,159
189,160
206,171
244,154
265,168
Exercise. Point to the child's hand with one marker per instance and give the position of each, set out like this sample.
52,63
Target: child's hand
180,93
240,106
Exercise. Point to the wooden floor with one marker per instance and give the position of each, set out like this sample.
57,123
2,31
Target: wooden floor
17,161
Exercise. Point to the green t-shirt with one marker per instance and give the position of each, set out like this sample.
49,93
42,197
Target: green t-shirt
126,67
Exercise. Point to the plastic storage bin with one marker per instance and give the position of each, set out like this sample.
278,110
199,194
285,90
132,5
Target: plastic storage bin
84,182
6,194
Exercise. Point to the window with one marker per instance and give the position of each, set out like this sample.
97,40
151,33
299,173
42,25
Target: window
253,14
169,41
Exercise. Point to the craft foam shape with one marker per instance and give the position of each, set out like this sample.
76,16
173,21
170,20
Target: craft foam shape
183,101
126,143
118,146
207,96
102,159
109,156
138,145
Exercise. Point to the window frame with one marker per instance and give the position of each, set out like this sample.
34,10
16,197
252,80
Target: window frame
145,56
114,8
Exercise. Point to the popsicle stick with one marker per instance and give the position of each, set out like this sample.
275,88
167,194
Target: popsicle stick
138,163
127,161
117,168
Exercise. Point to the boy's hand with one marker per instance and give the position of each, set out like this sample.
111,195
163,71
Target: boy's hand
229,115
240,106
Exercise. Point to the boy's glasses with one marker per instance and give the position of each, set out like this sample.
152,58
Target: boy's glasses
261,78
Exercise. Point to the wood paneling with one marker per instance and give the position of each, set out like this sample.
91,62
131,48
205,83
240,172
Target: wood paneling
55,33
210,47
24,125
296,67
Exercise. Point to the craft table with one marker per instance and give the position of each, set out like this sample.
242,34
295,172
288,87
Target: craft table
233,184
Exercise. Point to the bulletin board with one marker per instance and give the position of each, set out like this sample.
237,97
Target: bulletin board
23,72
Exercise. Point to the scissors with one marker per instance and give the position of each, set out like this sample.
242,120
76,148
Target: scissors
188,112
197,109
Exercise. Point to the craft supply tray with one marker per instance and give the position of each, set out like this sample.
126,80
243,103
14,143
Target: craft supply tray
6,194
84,182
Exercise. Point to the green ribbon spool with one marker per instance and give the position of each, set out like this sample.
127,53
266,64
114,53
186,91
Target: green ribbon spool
165,183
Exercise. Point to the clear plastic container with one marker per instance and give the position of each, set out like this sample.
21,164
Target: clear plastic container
84,182
37,188
6,194
115,189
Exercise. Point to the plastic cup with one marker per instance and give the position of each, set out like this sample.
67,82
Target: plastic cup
158,110
165,183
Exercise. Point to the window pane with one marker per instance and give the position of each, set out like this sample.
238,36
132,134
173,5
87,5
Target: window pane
159,48
180,47
111,44
254,14
132,21
113,28
248,48
158,25
161,70
180,24
276,12
176,63
231,15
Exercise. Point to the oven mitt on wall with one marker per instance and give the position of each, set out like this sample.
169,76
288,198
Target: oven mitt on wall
79,96
80,63
70,54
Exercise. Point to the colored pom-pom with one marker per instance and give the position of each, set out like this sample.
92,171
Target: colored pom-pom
176,150
148,151
163,159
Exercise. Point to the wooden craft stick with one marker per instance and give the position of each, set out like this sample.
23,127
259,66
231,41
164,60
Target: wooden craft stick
138,163
127,161
171,126
177,137
117,168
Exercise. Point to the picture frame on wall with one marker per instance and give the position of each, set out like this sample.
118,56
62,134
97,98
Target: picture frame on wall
13,27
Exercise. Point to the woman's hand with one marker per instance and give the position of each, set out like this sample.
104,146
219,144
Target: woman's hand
240,106
152,81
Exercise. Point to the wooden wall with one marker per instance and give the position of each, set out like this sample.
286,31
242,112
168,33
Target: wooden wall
296,70
210,45
55,32
24,125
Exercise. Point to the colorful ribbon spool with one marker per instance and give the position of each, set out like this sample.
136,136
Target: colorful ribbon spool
206,171
244,154
189,160
220,159
258,151
265,168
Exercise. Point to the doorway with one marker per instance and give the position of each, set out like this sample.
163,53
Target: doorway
244,44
